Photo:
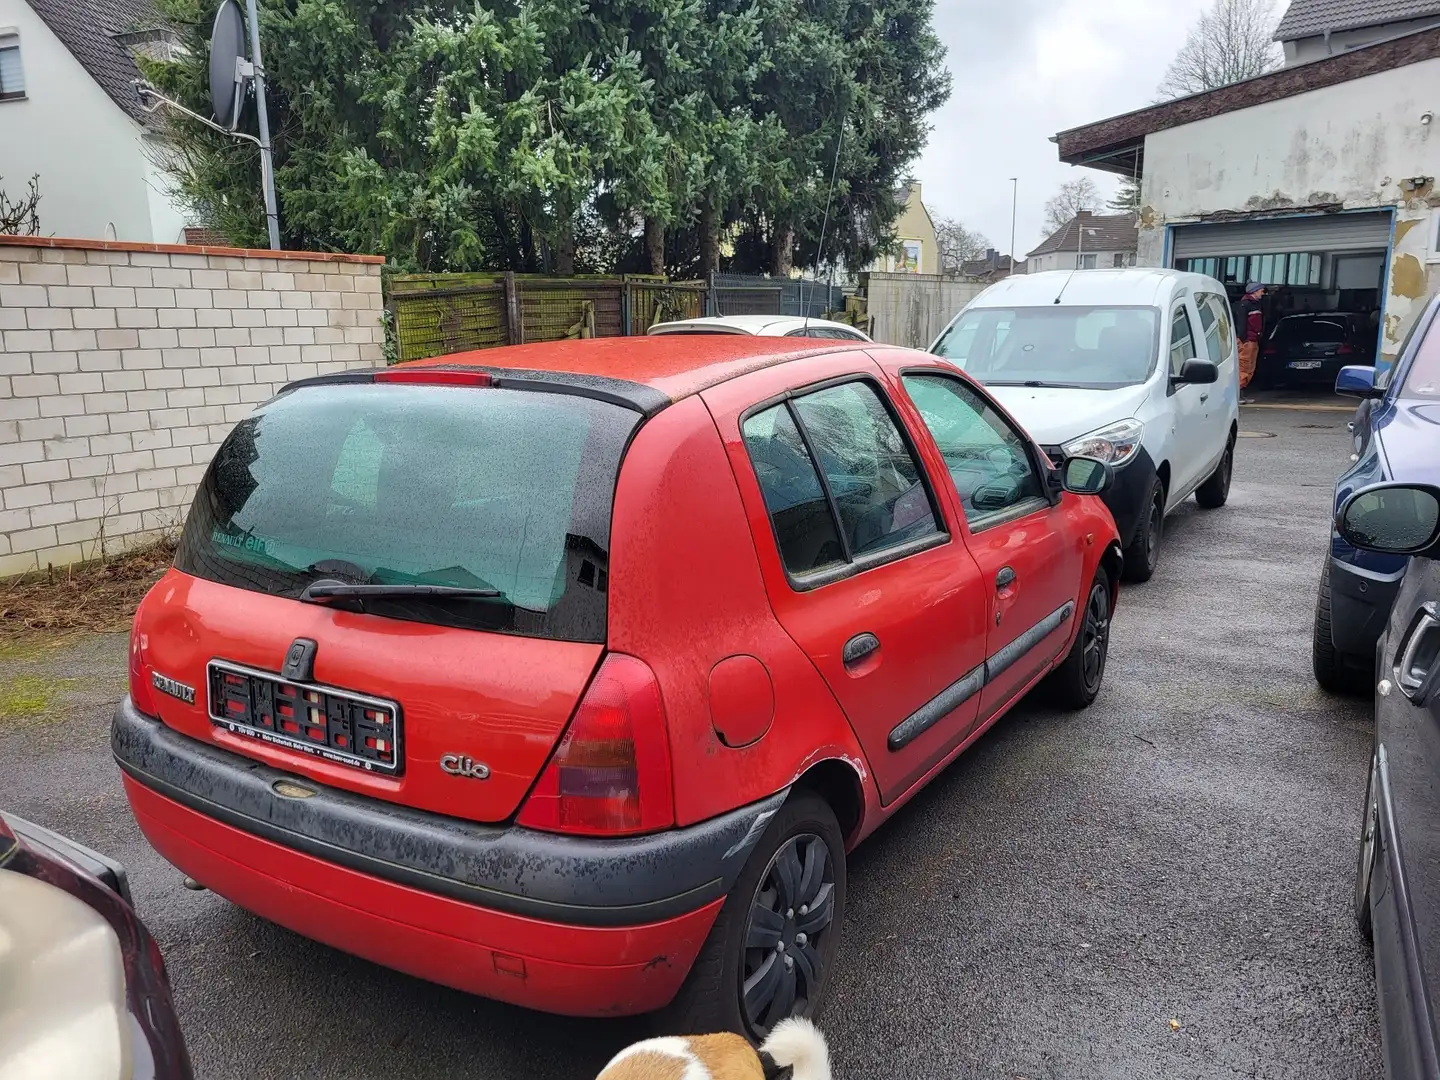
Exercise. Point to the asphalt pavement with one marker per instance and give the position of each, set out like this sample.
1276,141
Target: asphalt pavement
1158,887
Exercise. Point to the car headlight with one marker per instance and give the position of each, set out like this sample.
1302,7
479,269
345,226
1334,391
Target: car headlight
1115,445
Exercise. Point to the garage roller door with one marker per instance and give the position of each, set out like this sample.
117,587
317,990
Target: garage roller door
1329,232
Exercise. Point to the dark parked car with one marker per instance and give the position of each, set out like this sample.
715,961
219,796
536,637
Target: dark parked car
1397,880
1397,437
1310,349
83,990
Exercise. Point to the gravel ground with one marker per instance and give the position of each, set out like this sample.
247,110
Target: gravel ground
1157,887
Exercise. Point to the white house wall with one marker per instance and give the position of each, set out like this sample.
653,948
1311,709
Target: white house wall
1351,145
86,150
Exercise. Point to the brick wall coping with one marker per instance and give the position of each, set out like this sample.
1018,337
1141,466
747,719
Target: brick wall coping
184,249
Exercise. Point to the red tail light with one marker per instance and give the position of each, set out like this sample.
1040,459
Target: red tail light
434,377
1272,350
142,694
1345,349
610,775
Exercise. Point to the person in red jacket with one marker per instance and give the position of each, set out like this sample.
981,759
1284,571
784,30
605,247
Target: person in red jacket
1251,331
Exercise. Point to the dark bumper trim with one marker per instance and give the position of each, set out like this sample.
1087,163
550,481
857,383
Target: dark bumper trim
569,880
1128,497
1360,604
87,860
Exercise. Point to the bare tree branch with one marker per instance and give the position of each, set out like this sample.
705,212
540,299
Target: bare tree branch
958,245
1229,42
18,217
1073,196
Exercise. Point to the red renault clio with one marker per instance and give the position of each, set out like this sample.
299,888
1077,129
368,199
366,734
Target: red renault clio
567,674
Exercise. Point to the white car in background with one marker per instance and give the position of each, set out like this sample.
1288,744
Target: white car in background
1136,367
764,326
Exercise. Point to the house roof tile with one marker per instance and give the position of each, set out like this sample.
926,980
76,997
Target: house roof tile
1306,18
89,30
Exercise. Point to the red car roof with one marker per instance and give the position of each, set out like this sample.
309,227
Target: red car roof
675,365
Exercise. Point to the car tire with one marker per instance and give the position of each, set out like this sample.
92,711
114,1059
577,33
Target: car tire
757,910
1336,672
1369,851
1076,683
1143,554
1211,495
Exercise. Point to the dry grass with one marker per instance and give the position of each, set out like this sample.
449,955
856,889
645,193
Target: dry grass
95,597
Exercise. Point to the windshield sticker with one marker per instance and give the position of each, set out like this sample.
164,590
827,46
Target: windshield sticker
244,543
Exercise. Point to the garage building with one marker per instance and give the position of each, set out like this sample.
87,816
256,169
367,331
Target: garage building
1317,180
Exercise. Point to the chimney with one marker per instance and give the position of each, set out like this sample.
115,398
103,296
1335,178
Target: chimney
991,255
1083,213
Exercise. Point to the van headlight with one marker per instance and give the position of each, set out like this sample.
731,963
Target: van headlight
1115,445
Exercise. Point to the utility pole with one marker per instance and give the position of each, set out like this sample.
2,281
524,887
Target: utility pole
262,116
1014,209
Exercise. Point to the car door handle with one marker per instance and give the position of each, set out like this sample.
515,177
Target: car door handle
1419,663
1005,578
859,649
1204,398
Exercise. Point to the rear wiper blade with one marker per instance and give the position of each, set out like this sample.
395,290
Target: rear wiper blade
318,592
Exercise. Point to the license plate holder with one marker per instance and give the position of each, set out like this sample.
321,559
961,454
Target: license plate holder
1305,365
337,725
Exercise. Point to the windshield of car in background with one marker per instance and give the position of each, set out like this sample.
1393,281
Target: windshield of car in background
1094,348
1423,379
427,485
1310,330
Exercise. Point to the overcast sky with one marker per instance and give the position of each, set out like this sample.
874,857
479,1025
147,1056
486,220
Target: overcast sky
1024,70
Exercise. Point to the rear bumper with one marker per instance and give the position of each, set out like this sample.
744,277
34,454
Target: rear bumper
1360,603
584,927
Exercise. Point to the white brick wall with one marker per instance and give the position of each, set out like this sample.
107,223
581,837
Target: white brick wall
122,366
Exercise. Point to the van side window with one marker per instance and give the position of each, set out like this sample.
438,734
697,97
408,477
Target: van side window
1215,324
839,479
1182,340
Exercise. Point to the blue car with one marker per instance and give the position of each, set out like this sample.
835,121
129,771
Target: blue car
1397,438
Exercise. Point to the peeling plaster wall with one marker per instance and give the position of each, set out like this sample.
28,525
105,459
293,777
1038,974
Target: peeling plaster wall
1348,146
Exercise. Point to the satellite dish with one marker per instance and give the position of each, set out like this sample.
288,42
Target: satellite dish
228,66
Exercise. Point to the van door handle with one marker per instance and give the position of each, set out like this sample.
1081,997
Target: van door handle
858,649
1419,663
1204,398
1005,578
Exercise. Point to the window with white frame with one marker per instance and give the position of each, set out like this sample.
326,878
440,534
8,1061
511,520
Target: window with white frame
1087,262
12,75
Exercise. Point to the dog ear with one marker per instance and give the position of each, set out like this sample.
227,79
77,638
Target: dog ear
774,1071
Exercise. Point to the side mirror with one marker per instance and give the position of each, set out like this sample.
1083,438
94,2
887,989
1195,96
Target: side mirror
1198,373
1397,519
1357,381
1087,476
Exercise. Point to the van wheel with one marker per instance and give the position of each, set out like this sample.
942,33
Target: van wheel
1336,672
1143,554
1076,683
772,948
1211,495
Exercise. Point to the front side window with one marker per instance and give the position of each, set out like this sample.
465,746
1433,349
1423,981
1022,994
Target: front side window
1215,325
1091,348
12,75
497,489
839,479
1423,378
988,460
1182,340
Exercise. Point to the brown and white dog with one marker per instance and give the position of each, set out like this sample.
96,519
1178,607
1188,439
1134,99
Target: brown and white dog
794,1050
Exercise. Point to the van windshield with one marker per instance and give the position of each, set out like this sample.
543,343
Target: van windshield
1094,348
476,489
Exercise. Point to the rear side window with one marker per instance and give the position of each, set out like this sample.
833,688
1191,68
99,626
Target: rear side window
843,445
394,485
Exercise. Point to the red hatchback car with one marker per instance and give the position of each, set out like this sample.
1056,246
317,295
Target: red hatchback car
567,674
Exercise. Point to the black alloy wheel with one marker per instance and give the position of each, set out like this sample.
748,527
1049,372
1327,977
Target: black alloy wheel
790,918
1095,637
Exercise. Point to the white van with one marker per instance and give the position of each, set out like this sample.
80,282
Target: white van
1136,367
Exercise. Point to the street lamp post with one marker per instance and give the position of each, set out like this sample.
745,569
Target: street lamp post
1014,208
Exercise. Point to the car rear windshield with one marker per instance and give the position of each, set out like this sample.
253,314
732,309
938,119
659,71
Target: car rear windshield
508,490
1095,348
1314,331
